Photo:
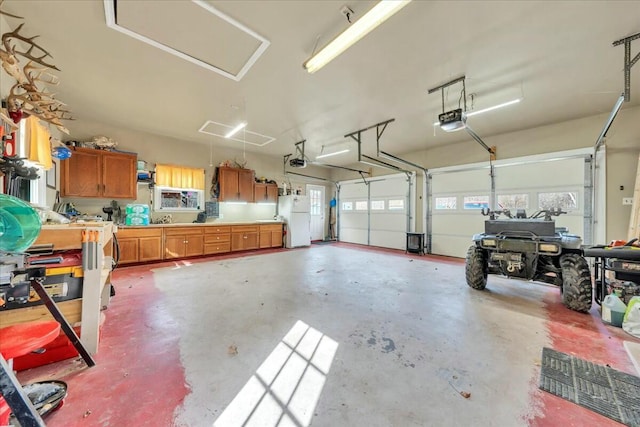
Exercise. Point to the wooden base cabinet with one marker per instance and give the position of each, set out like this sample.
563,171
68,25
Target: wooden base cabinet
271,236
139,244
244,237
217,240
182,242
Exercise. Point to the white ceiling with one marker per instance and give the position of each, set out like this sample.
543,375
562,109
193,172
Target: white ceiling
558,56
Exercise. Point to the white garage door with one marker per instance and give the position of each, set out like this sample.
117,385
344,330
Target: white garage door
377,214
458,196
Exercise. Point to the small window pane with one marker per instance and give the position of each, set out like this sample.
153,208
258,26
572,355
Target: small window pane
377,205
395,205
361,205
567,200
476,202
347,206
444,203
513,201
315,202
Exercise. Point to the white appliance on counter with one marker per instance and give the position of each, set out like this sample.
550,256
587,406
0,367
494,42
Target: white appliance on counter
294,210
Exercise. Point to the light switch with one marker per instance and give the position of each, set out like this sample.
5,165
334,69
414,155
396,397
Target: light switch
627,200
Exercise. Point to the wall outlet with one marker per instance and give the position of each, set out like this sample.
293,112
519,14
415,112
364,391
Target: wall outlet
220,216
627,200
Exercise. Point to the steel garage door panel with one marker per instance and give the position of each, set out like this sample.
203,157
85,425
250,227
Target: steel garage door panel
353,224
547,177
389,227
452,228
455,233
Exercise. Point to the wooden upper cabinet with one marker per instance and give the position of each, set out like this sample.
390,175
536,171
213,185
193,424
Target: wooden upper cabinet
98,173
119,175
236,185
80,174
246,182
272,193
266,193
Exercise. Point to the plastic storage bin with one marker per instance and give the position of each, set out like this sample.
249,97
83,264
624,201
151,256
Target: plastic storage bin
136,219
137,208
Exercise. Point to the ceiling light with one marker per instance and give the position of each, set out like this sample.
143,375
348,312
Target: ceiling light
335,153
484,110
370,20
235,130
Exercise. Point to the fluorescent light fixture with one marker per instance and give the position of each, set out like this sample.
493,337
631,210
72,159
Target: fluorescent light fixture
370,20
236,203
335,153
485,110
235,130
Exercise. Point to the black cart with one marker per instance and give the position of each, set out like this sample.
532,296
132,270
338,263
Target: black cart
616,270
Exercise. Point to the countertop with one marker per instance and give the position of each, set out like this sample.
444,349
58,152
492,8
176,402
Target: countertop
206,224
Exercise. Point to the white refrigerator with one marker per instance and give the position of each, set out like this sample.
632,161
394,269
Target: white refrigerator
294,210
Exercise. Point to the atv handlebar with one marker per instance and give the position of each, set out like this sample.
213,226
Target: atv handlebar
520,213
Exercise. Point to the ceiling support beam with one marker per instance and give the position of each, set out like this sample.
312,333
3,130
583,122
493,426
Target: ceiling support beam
628,62
308,176
340,167
442,87
476,137
607,124
371,161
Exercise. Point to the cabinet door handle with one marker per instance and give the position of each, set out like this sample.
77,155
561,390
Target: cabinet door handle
244,237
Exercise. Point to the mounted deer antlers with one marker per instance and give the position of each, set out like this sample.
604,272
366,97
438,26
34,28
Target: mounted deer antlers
7,13
25,94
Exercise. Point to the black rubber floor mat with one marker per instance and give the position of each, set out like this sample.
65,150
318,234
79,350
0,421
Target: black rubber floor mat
604,390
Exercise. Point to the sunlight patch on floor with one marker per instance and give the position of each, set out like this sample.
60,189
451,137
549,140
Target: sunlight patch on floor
285,389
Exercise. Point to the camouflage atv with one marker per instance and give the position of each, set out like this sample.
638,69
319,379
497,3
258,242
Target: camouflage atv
531,248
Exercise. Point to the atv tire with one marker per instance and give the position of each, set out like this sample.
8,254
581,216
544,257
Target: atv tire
576,283
476,268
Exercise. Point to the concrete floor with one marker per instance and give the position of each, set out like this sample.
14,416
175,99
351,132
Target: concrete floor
389,340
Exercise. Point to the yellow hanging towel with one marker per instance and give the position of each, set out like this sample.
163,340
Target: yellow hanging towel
37,138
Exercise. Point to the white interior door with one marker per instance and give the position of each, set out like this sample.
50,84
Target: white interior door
317,210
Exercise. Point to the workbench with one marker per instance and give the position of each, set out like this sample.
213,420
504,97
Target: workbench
96,282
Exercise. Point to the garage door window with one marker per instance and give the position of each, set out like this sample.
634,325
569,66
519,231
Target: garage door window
446,203
362,205
513,201
377,205
566,200
396,205
476,202
347,206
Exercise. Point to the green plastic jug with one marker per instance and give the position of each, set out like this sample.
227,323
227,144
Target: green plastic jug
19,224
